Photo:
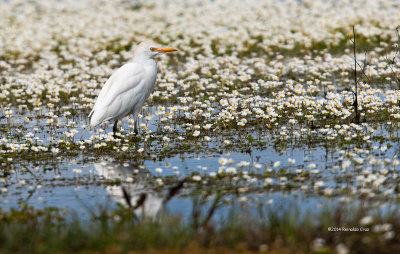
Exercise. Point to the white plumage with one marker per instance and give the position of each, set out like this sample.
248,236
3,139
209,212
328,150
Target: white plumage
127,89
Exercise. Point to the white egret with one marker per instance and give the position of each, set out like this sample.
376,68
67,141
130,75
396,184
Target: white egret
127,89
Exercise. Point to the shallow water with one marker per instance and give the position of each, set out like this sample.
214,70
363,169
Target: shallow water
81,183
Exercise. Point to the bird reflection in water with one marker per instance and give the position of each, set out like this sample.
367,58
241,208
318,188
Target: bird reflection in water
136,189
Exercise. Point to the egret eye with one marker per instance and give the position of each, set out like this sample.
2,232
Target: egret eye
152,49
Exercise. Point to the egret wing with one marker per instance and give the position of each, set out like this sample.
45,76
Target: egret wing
112,99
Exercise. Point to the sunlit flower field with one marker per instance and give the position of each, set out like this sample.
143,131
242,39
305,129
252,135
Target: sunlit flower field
254,114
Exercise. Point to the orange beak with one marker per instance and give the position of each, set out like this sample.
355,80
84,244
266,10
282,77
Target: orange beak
164,50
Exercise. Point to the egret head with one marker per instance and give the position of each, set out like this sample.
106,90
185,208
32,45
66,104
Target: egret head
149,50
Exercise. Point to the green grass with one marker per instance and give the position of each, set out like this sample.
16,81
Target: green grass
54,231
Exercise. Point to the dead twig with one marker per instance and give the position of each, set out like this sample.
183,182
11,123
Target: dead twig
212,209
174,191
355,104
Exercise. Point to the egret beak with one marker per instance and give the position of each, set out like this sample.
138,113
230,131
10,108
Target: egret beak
164,50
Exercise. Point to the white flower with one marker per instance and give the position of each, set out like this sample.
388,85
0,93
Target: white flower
223,161
55,150
367,220
196,178
346,164
230,170
257,165
8,113
389,235
311,165
207,126
318,244
77,171
319,184
159,182
212,174
342,249
243,199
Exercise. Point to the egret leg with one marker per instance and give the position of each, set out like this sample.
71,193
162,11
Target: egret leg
136,128
115,128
